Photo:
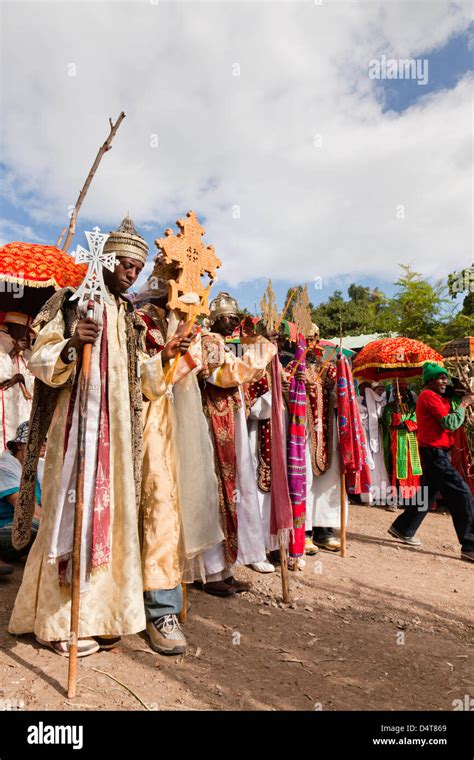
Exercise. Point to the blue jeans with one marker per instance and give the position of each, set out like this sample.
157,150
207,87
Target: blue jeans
163,602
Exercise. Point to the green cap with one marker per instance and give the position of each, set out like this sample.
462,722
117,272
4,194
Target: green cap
431,370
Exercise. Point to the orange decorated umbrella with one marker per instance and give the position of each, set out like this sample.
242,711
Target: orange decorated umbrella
389,358
31,273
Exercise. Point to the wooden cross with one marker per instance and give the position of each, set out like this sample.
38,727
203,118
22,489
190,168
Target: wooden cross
269,307
302,313
193,259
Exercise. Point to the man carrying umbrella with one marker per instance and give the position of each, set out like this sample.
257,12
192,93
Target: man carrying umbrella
438,416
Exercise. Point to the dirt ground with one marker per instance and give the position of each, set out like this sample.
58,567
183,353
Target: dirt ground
386,628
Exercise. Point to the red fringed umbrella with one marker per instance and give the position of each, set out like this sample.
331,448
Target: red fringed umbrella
31,273
393,357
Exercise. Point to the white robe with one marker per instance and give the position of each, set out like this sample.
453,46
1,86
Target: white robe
375,457
323,493
14,407
262,410
250,532
113,602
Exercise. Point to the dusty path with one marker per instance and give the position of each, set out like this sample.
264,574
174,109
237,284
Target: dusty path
387,628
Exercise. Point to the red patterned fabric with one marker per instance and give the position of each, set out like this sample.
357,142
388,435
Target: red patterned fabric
281,512
320,412
220,405
264,435
297,454
393,357
39,266
101,499
352,441
461,457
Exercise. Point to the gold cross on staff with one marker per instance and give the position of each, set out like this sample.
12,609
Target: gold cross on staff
193,259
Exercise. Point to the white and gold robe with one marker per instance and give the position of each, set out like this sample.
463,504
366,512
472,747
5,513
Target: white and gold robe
113,601
234,372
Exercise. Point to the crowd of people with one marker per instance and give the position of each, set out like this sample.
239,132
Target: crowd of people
207,448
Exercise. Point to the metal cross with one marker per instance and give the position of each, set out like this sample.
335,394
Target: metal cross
93,283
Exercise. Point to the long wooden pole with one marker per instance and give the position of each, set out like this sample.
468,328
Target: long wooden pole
343,477
303,357
78,515
184,613
171,371
103,149
285,575
277,326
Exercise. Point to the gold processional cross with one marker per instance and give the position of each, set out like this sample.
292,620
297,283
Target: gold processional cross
187,252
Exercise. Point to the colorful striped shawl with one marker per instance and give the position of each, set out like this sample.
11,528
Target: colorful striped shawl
297,455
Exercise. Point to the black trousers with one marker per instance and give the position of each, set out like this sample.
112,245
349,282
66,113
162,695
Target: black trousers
440,475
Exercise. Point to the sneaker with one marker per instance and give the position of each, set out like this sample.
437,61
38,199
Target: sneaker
310,549
263,567
166,636
467,554
410,540
5,569
84,647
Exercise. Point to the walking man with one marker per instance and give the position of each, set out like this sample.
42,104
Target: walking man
438,417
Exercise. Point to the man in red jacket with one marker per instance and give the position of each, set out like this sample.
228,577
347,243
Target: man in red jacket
438,415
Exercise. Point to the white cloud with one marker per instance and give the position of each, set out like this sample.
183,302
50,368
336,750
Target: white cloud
248,140
12,232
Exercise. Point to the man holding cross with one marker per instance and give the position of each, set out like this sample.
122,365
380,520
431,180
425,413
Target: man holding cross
111,602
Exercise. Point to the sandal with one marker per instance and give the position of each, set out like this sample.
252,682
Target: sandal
84,646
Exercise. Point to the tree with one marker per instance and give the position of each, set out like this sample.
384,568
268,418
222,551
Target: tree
416,308
360,315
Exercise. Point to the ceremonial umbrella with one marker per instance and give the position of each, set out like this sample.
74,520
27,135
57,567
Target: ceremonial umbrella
393,358
31,273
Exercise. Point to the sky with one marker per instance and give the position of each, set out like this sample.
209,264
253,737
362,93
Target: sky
303,160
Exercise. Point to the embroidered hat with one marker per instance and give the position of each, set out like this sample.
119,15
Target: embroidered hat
126,242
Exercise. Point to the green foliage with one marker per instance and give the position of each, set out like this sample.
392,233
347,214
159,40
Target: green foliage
418,310
361,314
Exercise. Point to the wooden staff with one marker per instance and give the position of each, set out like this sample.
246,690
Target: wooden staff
168,380
102,150
285,574
326,363
184,613
343,480
78,514
302,357
292,295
